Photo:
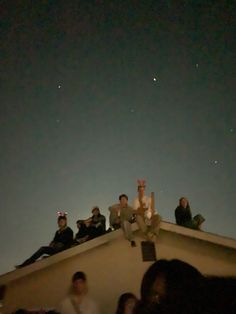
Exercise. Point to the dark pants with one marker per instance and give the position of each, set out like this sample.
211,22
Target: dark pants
49,250
94,232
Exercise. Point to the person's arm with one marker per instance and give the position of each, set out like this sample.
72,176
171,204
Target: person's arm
54,239
113,218
136,204
100,222
103,222
189,214
176,216
149,204
88,221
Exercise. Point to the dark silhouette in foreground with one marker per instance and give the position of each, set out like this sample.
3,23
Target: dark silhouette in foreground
179,288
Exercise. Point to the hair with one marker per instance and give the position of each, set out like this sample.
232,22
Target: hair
94,208
79,275
122,301
123,195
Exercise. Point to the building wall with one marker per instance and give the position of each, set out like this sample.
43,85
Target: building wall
113,268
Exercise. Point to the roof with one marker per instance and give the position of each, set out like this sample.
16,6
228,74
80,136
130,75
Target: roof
89,245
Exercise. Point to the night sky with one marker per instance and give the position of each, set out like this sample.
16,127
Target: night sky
97,94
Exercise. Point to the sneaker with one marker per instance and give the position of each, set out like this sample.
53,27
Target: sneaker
133,244
18,266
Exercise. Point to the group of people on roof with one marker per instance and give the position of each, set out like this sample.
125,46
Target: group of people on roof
122,215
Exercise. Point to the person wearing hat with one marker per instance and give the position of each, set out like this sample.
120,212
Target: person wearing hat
146,217
78,301
62,240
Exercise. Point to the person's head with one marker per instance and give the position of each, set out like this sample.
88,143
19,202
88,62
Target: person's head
123,198
183,202
170,282
96,211
79,283
62,222
79,223
126,303
141,190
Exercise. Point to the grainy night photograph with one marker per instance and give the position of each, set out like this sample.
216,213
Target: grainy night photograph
103,103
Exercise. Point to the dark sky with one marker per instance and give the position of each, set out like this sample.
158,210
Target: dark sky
96,94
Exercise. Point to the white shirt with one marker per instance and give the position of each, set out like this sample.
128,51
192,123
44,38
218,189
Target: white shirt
87,306
147,204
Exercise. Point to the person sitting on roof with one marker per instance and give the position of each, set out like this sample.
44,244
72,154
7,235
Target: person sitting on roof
96,225
147,217
183,215
62,240
122,215
82,234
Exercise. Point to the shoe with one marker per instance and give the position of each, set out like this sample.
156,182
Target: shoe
18,266
133,244
26,263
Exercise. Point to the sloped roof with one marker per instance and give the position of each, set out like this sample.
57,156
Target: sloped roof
89,245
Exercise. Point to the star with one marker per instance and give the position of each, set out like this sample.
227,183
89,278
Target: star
216,162
154,79
59,86
197,65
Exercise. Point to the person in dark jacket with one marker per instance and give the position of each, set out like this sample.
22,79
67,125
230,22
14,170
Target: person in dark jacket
62,240
176,287
96,225
82,234
183,215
